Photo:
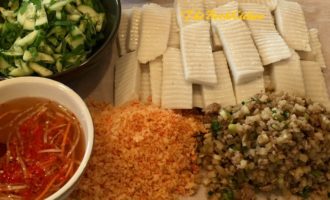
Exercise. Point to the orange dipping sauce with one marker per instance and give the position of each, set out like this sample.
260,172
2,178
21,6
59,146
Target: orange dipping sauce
42,144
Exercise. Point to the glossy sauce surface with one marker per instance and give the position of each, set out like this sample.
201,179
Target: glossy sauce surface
42,145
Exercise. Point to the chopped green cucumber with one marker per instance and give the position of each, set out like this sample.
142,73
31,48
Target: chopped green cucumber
87,10
27,40
59,66
74,17
100,21
41,70
27,18
47,36
12,53
45,58
4,64
58,6
27,56
39,57
41,17
22,70
71,9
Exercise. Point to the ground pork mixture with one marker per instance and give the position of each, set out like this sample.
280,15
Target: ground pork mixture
271,143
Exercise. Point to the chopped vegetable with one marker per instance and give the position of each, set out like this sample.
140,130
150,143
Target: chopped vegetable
227,194
48,36
215,127
305,193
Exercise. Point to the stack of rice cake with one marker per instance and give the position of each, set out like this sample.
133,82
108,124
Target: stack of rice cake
185,57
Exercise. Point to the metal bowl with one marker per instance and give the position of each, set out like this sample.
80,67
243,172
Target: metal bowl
101,50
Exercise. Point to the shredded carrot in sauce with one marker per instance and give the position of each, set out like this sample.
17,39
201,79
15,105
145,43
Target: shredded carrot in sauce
44,192
38,145
65,137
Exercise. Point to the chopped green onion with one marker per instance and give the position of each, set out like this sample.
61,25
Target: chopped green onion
227,194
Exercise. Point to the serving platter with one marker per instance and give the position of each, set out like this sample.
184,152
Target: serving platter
98,84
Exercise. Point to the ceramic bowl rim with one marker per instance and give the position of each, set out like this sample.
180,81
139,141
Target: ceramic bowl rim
74,97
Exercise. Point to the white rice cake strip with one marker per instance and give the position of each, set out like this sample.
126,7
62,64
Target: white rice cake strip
291,24
270,4
272,48
156,71
155,30
265,24
176,91
209,5
174,39
245,91
189,11
216,42
122,32
197,97
287,76
268,79
197,55
316,46
309,56
127,79
145,86
222,2
241,53
315,85
134,31
223,92
222,12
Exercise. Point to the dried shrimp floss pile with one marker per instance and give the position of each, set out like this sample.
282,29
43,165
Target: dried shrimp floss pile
141,152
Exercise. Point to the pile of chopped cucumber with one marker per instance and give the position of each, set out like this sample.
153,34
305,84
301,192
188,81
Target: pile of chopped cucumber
45,37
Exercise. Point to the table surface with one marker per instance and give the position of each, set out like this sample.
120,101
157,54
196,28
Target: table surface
98,83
